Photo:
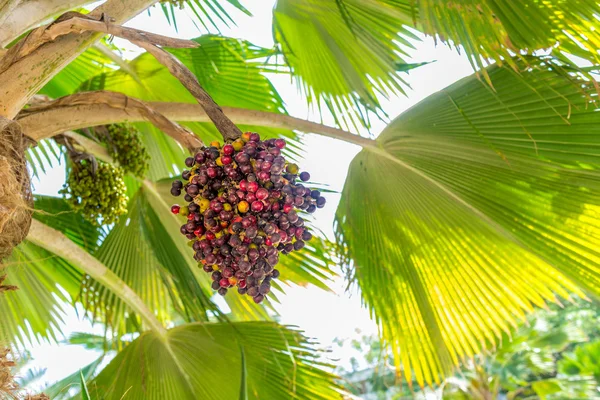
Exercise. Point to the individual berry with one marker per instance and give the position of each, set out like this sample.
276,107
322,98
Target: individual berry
304,176
258,298
243,207
257,206
280,143
175,209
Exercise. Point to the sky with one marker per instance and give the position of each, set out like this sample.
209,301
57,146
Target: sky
322,315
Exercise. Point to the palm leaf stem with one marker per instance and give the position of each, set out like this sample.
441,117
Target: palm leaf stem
57,243
46,121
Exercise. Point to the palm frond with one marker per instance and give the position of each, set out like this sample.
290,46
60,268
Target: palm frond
126,252
496,30
210,14
204,360
344,54
44,156
475,206
47,284
66,387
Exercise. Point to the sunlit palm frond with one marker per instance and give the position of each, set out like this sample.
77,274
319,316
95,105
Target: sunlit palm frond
343,54
205,361
495,30
475,206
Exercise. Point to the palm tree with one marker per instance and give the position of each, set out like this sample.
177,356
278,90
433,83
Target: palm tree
470,209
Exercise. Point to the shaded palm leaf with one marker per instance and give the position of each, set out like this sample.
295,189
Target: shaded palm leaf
45,155
475,206
343,54
204,361
218,63
126,252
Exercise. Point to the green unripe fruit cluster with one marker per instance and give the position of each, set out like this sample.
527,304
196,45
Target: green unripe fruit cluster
101,197
125,146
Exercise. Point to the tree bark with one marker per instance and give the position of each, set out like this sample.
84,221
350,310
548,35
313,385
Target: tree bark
25,77
44,122
31,13
6,7
55,242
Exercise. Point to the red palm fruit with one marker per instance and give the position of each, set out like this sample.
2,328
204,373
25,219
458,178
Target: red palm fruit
252,186
257,206
175,209
280,143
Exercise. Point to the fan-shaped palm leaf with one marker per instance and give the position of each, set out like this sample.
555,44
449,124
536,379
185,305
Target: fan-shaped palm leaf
475,205
344,54
205,361
498,29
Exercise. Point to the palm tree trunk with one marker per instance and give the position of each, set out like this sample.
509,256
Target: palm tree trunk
23,78
28,14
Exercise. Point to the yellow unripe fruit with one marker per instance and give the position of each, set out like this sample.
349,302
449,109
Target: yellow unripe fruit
203,203
215,144
243,206
237,144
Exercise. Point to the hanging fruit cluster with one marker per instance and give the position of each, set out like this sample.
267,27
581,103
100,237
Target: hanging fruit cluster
97,191
243,200
125,145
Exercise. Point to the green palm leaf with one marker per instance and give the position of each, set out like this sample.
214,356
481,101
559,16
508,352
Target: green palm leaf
498,29
219,62
208,13
343,54
475,206
35,312
204,361
47,284
127,253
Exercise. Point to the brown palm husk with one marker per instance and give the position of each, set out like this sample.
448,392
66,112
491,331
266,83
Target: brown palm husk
16,200
8,387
